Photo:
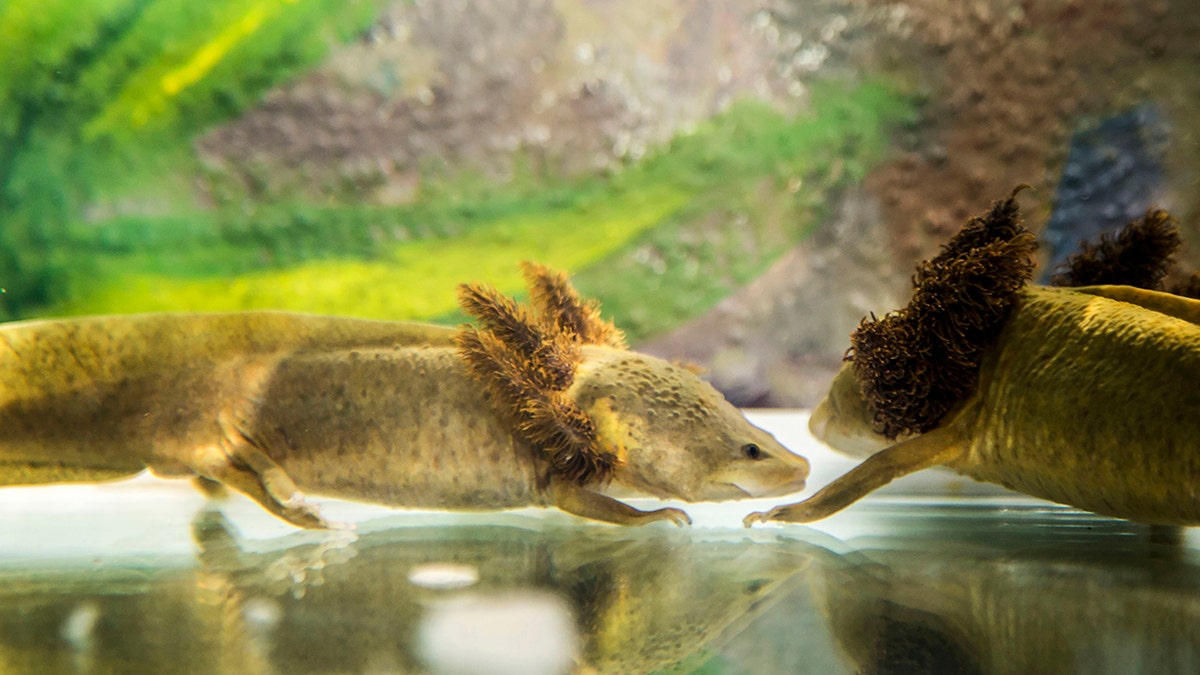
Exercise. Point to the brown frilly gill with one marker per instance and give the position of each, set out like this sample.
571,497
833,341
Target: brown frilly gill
916,363
527,360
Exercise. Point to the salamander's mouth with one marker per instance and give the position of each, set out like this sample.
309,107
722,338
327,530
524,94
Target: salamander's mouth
745,494
755,491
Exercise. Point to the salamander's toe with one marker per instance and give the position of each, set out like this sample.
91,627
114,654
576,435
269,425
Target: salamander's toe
756,517
306,515
799,512
677,516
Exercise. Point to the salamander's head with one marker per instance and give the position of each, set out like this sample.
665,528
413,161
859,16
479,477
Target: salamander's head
844,420
676,436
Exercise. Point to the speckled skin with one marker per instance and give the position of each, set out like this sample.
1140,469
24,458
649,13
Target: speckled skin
109,394
404,427
1091,402
677,435
273,404
1089,397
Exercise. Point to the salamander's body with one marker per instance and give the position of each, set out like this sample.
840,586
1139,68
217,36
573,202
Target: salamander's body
1091,402
115,394
273,404
1089,397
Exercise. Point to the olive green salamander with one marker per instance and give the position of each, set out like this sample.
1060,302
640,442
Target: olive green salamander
1087,396
275,405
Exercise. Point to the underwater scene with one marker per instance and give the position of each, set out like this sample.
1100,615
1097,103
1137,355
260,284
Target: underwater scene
599,336
145,577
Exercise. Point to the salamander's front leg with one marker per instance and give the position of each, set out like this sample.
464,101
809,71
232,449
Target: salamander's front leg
583,502
940,446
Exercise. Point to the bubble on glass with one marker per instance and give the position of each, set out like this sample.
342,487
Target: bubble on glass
584,53
79,626
261,612
443,576
523,632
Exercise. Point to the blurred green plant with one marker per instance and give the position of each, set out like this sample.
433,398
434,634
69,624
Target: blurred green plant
100,99
760,183
657,242
411,280
100,102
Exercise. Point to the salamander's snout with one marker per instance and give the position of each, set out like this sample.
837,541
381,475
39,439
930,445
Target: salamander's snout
799,478
791,479
818,422
770,470
844,421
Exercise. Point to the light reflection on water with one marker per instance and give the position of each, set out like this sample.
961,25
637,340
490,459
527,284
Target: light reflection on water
894,586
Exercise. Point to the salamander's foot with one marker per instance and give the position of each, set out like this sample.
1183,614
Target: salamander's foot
246,470
790,513
677,516
297,511
943,445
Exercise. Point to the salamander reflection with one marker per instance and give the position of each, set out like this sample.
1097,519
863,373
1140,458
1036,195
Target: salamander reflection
949,590
634,601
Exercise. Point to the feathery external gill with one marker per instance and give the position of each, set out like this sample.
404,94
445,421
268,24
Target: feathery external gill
1188,288
1001,222
553,354
558,302
527,363
918,362
1139,255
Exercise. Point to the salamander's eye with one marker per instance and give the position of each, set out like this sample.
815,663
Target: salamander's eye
752,451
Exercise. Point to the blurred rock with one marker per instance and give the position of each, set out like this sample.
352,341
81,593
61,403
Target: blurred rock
570,88
778,341
1114,172
566,88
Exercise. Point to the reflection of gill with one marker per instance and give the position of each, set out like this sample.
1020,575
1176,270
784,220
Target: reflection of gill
603,603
